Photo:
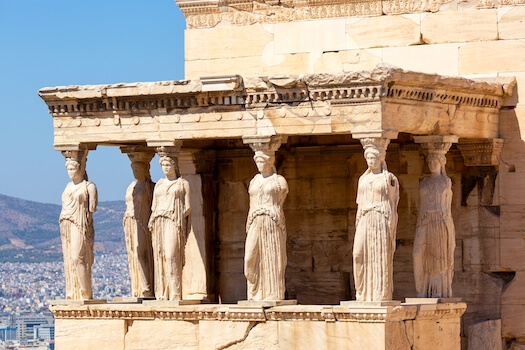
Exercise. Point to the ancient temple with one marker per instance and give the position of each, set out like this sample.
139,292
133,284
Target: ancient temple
317,83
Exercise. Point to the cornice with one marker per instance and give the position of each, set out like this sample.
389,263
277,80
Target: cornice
215,95
259,314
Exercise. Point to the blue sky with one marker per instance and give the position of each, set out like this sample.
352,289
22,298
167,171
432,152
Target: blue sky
75,42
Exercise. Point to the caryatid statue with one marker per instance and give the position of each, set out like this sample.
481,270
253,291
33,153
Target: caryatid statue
79,201
265,251
435,240
139,196
169,225
376,224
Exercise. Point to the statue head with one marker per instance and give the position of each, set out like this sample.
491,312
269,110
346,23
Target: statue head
436,162
265,161
76,164
170,166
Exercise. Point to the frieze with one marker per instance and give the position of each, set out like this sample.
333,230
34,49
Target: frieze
208,14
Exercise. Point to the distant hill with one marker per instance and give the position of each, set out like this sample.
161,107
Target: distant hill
29,230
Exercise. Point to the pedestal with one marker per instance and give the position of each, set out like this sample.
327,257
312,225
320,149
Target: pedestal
214,326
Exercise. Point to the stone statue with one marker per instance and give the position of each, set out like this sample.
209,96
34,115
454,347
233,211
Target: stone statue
79,201
376,223
265,250
169,225
139,196
435,241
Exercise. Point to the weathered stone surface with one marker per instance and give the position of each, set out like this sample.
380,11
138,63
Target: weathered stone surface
80,334
218,334
485,335
512,320
452,26
491,57
510,22
381,31
225,42
326,35
439,58
159,334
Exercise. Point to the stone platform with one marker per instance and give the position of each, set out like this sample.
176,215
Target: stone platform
226,326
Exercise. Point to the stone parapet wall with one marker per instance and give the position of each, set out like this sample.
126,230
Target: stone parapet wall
462,42
136,326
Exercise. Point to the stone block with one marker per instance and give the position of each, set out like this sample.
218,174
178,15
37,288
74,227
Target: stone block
331,256
232,226
320,224
299,195
492,57
513,321
268,64
231,287
214,334
381,31
459,26
440,58
299,255
225,42
512,253
510,22
315,36
79,334
512,219
485,335
167,335
233,195
512,188
260,336
236,168
361,59
318,287
331,193
437,334
513,291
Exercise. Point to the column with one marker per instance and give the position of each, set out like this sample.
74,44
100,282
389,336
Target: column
169,223
196,166
376,222
79,202
139,196
435,239
265,250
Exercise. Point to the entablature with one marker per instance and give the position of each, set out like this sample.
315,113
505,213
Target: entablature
385,99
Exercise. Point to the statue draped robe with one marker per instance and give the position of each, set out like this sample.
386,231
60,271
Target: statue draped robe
375,236
265,251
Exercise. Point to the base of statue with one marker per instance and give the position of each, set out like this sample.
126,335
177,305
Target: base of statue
170,325
130,300
431,300
77,302
266,303
172,302
359,303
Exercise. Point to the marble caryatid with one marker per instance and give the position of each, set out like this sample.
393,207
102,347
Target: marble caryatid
265,250
376,223
169,225
79,201
139,196
435,241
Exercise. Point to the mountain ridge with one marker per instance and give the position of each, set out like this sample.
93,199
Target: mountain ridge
30,229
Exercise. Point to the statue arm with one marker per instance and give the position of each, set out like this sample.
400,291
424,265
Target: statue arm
93,197
284,190
187,199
